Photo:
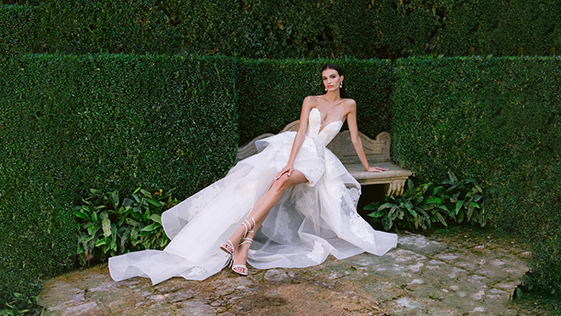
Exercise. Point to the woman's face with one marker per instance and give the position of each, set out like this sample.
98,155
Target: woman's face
331,79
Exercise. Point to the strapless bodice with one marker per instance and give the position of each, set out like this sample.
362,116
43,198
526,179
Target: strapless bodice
322,135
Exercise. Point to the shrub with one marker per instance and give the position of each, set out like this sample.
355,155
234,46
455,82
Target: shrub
110,225
495,119
295,29
113,122
421,206
20,305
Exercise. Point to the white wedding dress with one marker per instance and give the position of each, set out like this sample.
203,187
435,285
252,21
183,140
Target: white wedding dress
309,222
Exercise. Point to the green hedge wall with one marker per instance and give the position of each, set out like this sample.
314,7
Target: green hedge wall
70,123
18,27
498,120
271,92
295,29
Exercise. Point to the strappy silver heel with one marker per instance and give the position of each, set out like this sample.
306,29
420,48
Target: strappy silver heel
228,246
243,266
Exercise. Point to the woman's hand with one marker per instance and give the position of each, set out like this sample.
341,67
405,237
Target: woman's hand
376,169
288,170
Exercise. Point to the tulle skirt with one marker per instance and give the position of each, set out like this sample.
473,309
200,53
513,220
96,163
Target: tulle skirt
309,222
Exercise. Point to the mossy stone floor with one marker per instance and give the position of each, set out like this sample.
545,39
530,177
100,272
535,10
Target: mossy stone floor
460,272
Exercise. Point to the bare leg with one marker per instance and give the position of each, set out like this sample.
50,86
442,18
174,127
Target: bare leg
261,210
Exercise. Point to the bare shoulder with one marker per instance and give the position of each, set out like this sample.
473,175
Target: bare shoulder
310,102
350,105
311,99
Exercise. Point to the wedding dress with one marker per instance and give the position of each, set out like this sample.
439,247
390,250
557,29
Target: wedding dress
309,222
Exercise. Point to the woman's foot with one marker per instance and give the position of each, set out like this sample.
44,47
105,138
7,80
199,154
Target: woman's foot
235,240
240,257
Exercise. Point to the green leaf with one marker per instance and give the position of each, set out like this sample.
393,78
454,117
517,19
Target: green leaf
136,198
95,192
153,202
460,217
101,242
441,219
386,205
410,209
458,207
105,224
376,214
151,227
156,218
370,206
115,199
469,212
452,176
132,222
82,216
433,200
113,237
479,188
474,204
127,202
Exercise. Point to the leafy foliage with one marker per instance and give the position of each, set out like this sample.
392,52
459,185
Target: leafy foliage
421,206
110,225
20,305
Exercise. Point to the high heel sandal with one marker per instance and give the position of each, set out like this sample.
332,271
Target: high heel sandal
244,241
228,246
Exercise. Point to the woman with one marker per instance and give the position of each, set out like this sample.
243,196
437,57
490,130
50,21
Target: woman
303,191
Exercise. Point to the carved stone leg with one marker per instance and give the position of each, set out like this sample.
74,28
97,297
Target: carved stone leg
395,188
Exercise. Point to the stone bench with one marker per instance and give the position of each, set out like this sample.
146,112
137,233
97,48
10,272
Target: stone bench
377,152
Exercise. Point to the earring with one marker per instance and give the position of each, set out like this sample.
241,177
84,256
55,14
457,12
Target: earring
341,84
325,89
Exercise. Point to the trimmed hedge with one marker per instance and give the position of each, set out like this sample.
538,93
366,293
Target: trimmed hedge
18,29
296,29
271,92
497,120
121,26
70,123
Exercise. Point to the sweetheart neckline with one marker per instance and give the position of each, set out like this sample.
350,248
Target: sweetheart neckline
321,124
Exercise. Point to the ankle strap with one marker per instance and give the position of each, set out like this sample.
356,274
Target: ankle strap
248,227
246,241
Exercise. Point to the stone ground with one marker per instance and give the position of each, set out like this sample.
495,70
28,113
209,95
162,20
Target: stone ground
442,274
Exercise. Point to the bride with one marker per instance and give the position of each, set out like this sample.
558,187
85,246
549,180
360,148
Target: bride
290,205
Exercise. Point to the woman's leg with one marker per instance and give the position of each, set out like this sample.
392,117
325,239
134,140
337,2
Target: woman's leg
261,210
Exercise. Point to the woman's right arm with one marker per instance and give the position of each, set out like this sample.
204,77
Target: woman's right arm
307,105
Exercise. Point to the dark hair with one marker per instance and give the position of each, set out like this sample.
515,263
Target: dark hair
336,67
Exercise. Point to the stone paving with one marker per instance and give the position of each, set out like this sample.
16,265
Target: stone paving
448,274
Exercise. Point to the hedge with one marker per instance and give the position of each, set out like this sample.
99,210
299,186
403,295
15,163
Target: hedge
294,29
69,123
18,29
110,122
271,92
498,120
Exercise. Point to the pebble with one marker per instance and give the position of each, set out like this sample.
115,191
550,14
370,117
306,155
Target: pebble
276,275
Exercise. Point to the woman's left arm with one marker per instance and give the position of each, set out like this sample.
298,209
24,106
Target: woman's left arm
355,138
